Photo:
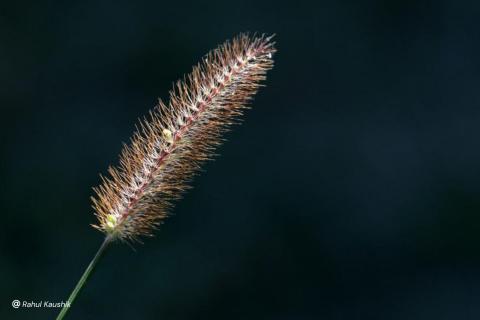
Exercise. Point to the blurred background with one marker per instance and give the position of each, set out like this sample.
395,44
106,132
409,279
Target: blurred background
351,191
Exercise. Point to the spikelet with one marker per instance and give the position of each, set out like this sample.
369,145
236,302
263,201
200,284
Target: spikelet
170,145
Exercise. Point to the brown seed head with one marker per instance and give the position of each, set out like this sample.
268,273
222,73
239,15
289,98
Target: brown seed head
169,146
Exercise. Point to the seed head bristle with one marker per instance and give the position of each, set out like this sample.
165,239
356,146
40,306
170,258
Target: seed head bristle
170,145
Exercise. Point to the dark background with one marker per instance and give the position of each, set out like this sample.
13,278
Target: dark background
351,191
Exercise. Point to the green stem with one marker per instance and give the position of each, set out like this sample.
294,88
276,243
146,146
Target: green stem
84,278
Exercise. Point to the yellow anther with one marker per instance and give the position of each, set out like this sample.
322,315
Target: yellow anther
111,222
167,135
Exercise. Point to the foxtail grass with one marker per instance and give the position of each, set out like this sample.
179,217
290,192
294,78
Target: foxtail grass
173,141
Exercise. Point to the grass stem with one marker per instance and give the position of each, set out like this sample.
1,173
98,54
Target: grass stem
84,277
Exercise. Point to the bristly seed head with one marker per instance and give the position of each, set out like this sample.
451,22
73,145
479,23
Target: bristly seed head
169,146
